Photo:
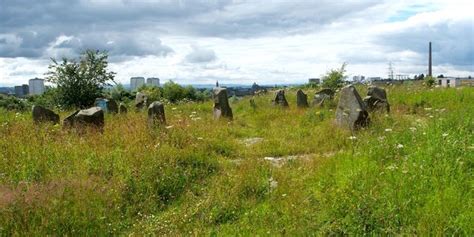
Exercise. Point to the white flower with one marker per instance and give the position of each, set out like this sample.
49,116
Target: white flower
388,130
200,138
168,127
352,138
445,135
412,129
399,146
174,108
428,109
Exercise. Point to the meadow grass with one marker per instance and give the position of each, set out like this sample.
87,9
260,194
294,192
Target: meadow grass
410,172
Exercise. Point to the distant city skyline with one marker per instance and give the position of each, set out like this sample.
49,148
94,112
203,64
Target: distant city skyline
239,42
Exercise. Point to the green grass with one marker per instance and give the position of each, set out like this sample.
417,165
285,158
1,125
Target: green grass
409,173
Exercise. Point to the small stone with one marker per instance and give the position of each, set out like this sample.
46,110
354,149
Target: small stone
280,99
301,99
221,104
41,114
92,117
156,114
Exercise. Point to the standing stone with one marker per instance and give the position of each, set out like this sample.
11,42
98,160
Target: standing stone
68,122
221,103
376,99
301,99
280,99
322,96
41,114
92,117
123,108
140,101
156,114
351,111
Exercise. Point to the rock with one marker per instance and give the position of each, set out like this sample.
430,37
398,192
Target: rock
92,117
156,114
351,111
301,99
376,99
140,100
322,96
221,104
69,120
41,114
280,99
123,109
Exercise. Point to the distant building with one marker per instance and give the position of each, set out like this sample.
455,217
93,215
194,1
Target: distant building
153,81
136,82
22,91
315,81
449,82
358,78
36,86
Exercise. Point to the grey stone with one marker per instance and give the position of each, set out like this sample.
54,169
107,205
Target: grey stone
140,100
351,111
156,114
301,99
221,104
376,99
280,99
322,96
41,114
122,108
92,117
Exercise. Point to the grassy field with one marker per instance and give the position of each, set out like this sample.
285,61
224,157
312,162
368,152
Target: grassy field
410,172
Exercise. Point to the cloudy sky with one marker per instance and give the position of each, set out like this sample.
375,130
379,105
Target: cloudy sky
237,41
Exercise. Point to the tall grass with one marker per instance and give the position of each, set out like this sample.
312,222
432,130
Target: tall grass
410,172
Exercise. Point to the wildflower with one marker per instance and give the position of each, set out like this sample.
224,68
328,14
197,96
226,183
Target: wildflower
273,183
388,130
399,146
381,138
352,138
194,112
412,129
174,108
168,127
428,109
431,116
445,135
200,138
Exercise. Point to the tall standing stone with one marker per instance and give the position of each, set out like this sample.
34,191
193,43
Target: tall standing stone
376,99
41,114
140,100
221,104
322,96
280,99
92,117
156,114
107,105
301,99
351,111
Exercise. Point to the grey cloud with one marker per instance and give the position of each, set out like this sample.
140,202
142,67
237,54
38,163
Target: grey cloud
201,55
40,23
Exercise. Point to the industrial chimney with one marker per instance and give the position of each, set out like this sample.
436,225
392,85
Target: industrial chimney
430,71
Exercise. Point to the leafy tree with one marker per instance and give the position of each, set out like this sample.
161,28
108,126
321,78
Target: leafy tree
119,93
334,79
80,82
173,92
